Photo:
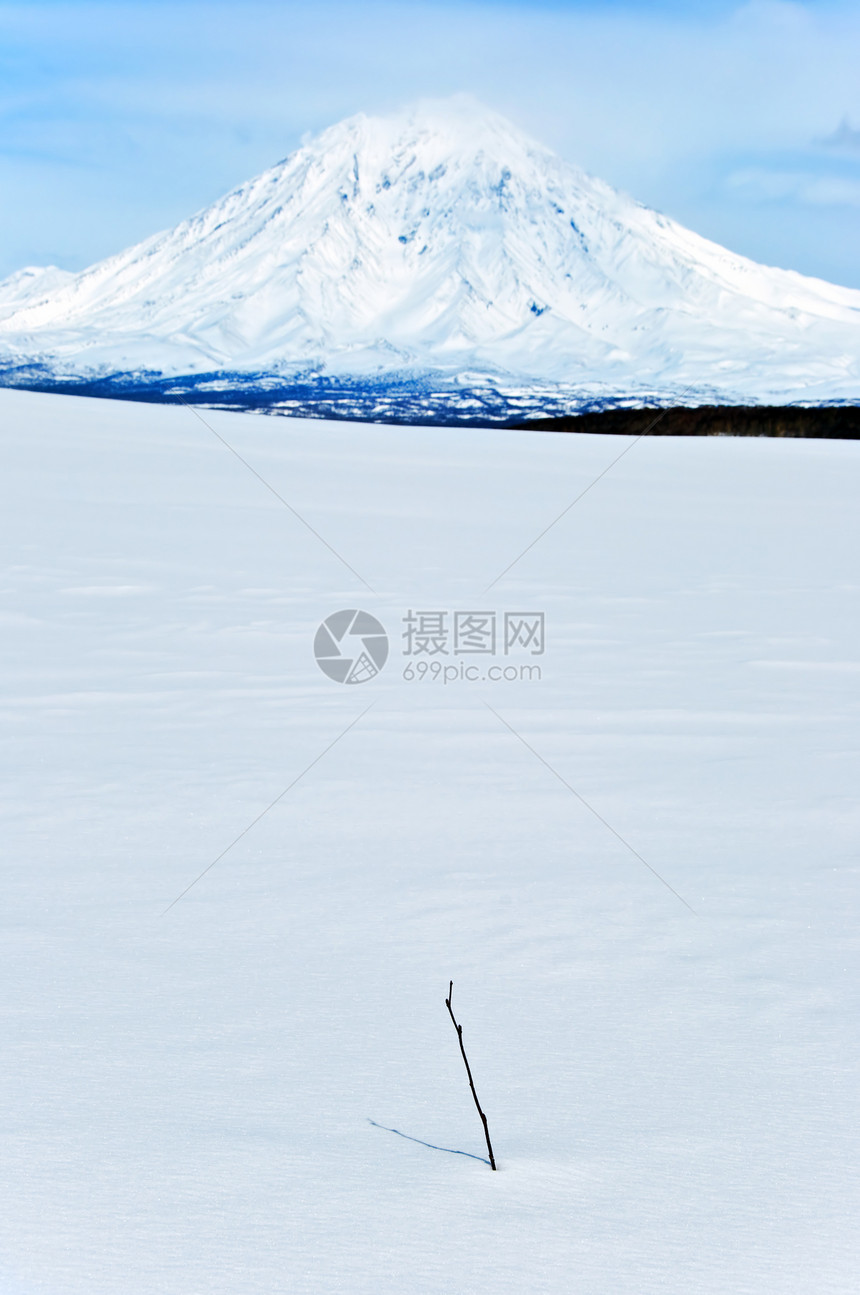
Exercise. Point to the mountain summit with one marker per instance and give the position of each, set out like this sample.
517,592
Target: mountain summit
439,248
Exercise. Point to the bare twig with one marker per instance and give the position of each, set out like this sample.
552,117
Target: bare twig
459,1030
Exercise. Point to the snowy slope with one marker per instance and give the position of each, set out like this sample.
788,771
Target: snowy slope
186,1098
32,284
442,240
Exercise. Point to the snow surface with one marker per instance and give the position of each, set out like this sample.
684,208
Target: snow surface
33,282
187,1098
443,240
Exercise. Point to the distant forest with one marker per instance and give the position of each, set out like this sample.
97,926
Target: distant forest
831,422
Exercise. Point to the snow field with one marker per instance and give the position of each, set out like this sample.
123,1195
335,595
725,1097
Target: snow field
187,1097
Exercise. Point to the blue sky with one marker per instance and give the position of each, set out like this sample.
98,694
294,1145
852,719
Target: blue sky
740,120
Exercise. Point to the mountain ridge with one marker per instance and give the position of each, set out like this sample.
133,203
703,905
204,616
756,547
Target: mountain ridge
438,245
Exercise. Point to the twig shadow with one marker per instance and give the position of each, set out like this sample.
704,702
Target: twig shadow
449,1150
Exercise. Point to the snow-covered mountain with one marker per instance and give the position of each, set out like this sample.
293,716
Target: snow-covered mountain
438,250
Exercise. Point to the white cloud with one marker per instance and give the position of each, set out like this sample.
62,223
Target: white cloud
844,138
760,185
